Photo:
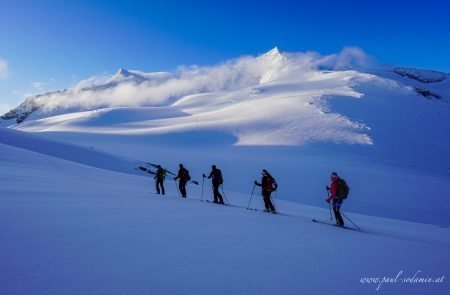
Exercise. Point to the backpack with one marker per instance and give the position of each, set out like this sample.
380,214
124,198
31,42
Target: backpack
188,177
161,174
270,185
219,174
343,189
274,184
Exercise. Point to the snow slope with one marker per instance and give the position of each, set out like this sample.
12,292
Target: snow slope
68,228
77,217
300,115
70,152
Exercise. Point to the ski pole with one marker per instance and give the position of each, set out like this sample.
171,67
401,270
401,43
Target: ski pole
178,189
276,196
251,196
329,205
331,215
350,221
221,186
203,183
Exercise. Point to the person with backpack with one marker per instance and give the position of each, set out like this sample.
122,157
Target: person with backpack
268,185
338,192
217,180
160,176
184,177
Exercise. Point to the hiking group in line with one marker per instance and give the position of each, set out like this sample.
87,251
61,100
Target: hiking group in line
337,191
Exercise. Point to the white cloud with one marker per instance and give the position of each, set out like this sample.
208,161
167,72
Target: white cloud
348,58
94,80
4,71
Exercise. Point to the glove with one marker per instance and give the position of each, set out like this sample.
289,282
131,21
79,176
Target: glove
256,182
328,201
204,175
174,178
328,188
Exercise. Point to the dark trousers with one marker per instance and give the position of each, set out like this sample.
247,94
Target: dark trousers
160,184
337,203
267,201
217,196
182,187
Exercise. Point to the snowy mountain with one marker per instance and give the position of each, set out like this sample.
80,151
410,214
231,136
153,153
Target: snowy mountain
273,83
78,209
275,99
51,103
335,108
96,92
424,76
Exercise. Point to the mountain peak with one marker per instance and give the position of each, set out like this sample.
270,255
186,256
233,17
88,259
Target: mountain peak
274,51
272,56
123,72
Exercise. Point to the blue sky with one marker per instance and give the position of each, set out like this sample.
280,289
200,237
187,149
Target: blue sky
48,45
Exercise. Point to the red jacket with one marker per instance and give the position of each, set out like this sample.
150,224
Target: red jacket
334,189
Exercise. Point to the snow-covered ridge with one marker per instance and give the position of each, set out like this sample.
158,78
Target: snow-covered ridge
130,88
116,89
277,98
424,76
93,85
273,56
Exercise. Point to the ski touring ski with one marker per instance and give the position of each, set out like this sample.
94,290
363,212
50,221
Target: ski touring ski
330,224
146,170
265,211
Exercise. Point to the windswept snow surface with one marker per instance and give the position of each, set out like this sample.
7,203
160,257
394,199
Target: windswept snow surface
68,228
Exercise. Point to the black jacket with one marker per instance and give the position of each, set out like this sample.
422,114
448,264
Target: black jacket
216,176
183,175
268,183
